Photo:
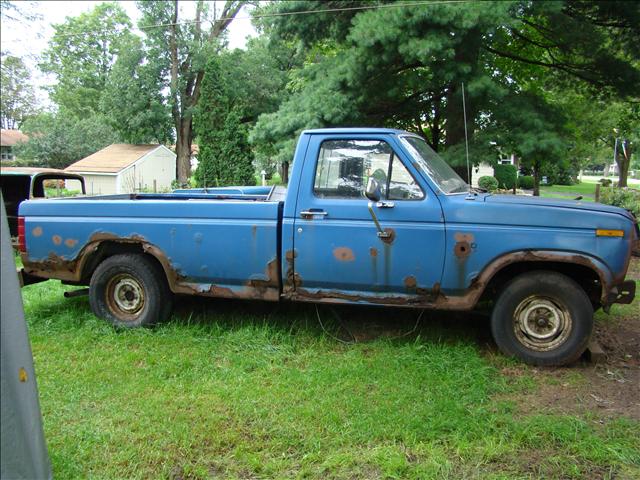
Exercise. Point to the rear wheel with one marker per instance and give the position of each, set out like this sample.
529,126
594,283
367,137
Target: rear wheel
542,318
130,290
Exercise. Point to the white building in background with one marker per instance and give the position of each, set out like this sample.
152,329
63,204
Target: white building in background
124,168
486,170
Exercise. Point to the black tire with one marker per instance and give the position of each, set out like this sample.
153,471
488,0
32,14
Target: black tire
129,291
543,318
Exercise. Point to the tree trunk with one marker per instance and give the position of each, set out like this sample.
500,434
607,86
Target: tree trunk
285,173
536,180
183,150
623,159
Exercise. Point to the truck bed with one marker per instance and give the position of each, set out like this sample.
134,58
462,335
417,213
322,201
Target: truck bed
219,243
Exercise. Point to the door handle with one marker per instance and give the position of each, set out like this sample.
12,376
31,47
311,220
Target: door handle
383,204
309,214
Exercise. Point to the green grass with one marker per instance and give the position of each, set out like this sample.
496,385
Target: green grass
237,390
569,192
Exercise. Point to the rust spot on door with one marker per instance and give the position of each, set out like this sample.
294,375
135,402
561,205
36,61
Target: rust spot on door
373,252
464,244
70,242
344,254
410,282
37,231
56,239
292,280
389,239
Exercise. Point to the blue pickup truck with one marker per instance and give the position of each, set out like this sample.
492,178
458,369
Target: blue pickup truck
370,216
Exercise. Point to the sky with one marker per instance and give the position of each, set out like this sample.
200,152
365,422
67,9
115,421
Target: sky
29,39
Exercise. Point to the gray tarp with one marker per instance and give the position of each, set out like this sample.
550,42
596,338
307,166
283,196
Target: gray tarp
23,453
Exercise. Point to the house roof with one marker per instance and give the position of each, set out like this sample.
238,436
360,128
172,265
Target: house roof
8,138
112,159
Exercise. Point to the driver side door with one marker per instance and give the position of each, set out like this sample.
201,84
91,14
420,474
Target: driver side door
339,253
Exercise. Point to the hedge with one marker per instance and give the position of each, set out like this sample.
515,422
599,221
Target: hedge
488,183
507,176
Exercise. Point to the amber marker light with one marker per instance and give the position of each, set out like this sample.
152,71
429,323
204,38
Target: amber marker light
609,233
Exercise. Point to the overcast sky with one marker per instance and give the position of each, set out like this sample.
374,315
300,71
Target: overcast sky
29,39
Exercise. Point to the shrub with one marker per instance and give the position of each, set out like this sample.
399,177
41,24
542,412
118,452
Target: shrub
622,197
506,175
488,183
526,182
605,182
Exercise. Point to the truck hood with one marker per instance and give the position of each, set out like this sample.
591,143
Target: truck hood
554,202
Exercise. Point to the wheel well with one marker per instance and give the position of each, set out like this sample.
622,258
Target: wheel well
108,249
584,276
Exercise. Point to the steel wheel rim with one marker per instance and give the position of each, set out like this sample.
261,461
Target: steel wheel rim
541,323
125,296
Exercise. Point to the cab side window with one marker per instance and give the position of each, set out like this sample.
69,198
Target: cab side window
344,167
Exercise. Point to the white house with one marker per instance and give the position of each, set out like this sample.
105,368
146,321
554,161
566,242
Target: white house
124,168
486,170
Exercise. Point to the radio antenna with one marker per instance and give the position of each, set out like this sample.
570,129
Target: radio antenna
466,137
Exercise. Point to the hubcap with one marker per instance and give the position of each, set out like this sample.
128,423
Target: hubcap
125,296
541,323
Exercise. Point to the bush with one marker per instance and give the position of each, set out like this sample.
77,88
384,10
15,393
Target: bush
605,182
488,183
526,182
506,175
622,197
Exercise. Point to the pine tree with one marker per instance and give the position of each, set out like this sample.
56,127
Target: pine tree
225,156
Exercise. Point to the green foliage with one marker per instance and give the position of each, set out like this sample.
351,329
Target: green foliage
57,140
17,97
506,175
388,67
628,198
81,54
488,183
225,156
525,181
132,100
561,173
606,182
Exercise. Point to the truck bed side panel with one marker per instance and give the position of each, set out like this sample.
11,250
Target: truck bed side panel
216,248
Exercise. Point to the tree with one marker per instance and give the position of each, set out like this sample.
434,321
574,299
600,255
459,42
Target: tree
132,101
225,157
58,140
17,98
186,48
533,129
403,67
82,53
397,67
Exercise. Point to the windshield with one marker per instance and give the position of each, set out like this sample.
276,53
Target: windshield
434,166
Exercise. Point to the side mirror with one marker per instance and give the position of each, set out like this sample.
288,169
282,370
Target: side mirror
372,192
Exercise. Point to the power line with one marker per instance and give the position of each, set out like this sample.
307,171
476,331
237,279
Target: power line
276,14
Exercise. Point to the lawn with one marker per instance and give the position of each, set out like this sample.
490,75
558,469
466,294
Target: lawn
587,189
249,390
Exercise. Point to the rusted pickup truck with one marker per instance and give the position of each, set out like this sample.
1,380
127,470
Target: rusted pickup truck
371,216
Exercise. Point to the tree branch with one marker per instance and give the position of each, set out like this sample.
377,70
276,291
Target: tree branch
556,66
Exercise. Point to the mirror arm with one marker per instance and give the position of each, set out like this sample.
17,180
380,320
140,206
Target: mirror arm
381,232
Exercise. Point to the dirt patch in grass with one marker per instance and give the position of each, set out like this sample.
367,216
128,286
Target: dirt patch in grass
608,389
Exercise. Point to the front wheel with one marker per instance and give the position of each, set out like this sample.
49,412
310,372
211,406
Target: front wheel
542,318
130,290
